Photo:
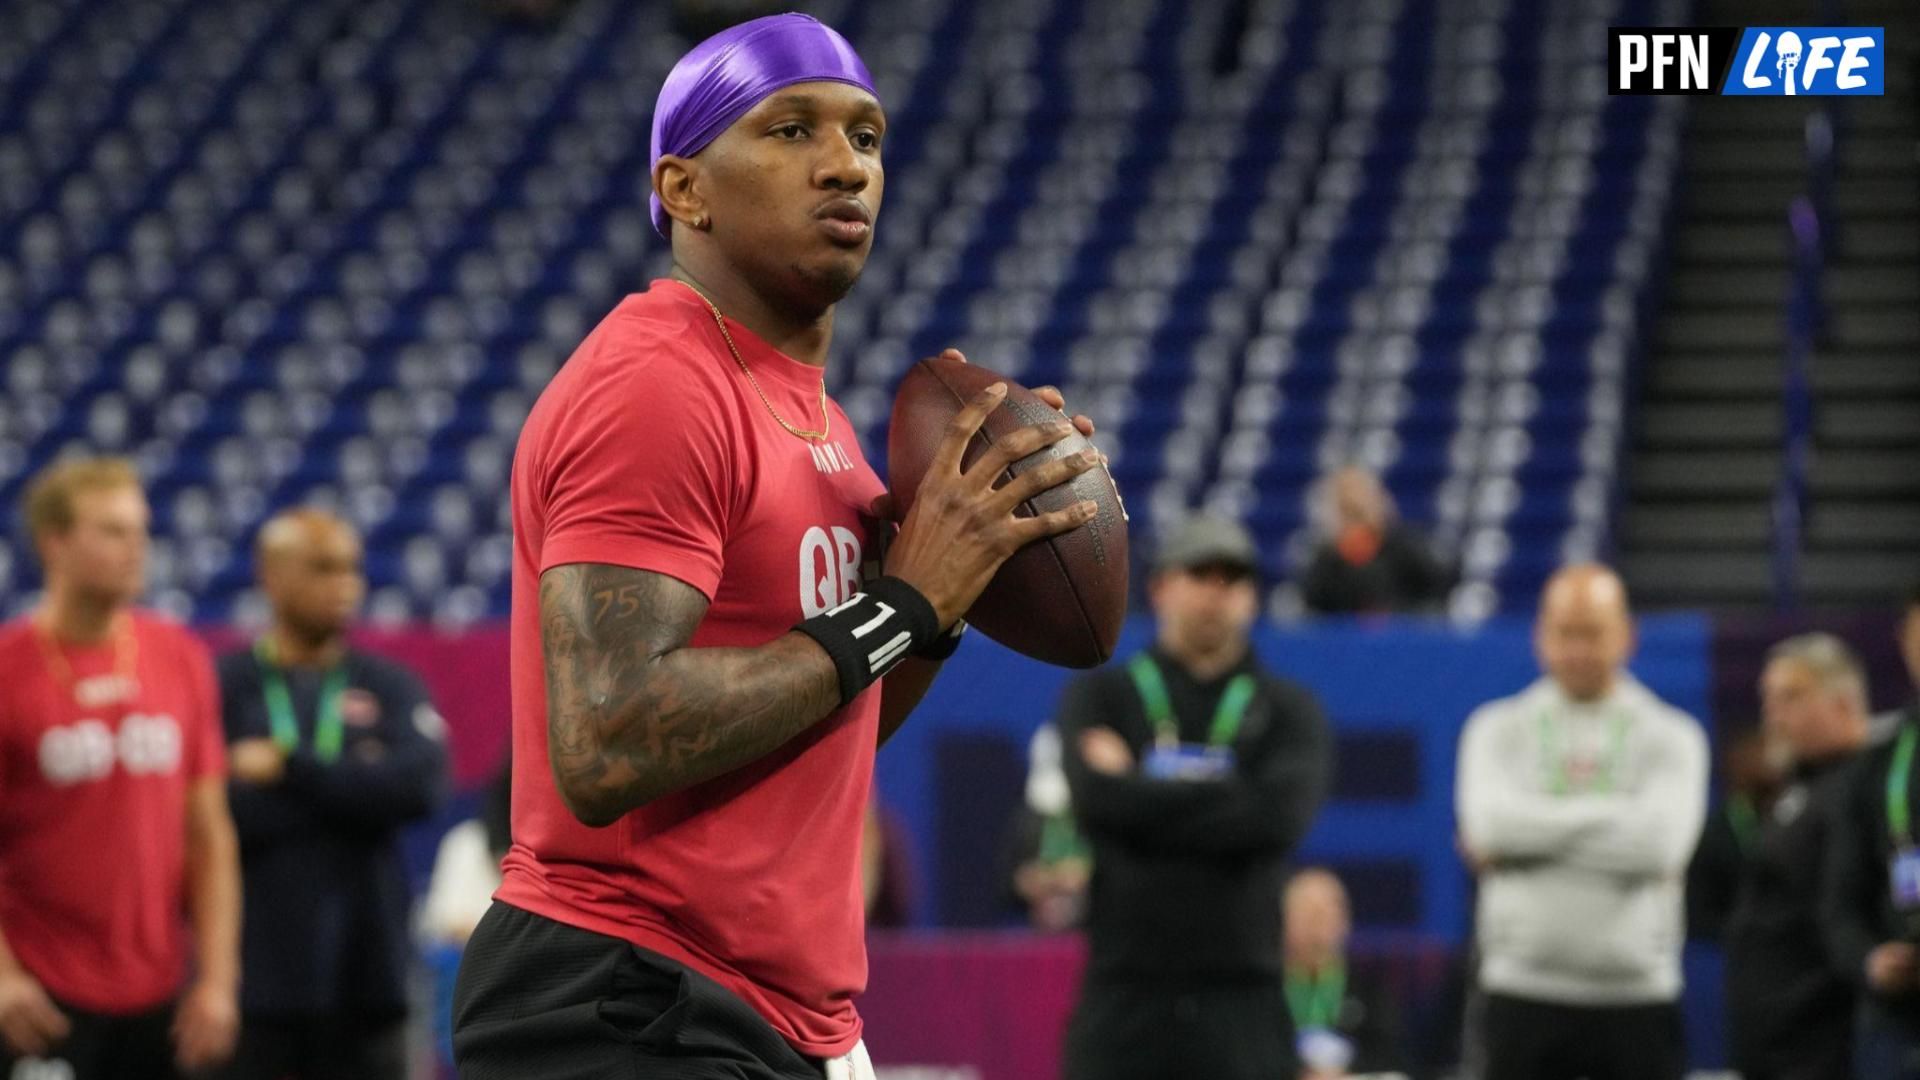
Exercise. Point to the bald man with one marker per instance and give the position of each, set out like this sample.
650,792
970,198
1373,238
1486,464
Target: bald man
1580,800
331,752
1346,1021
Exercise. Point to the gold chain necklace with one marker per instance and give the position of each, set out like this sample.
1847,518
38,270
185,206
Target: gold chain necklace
721,321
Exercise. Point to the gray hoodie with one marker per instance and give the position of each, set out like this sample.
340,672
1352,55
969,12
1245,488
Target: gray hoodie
1586,814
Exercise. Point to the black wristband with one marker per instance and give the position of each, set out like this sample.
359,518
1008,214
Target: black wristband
945,645
882,625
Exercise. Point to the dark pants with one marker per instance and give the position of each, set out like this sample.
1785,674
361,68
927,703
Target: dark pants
1144,1030
540,1000
1884,1048
1806,1047
320,1048
1532,1040
135,1047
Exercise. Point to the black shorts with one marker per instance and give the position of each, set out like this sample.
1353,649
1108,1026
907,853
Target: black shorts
102,1047
540,1000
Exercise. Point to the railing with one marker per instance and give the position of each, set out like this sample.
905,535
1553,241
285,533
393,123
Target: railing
1809,223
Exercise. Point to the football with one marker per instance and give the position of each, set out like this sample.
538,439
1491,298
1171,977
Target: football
1061,600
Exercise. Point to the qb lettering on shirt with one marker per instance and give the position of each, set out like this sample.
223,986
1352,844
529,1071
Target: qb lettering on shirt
829,568
86,750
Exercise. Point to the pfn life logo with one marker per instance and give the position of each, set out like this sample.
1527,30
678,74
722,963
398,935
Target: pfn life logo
1791,61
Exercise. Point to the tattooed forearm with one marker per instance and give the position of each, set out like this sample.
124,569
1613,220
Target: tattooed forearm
632,714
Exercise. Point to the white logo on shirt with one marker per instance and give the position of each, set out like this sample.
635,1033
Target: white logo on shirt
38,1069
86,750
829,568
103,690
830,458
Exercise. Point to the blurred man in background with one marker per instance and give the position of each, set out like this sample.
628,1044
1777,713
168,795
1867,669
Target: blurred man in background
1580,800
886,865
1347,1023
1049,860
466,867
1727,841
1369,562
333,751
113,809
1789,1009
1193,773
1870,900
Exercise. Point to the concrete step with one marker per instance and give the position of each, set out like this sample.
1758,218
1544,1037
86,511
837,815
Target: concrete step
1744,578
1870,281
1891,13
1847,473
1874,154
1753,328
1699,578
1876,117
1716,375
1874,195
1710,425
1888,239
1857,578
1662,526
1695,285
1835,525
1734,243
1770,117
1883,167
1868,424
1705,475
1880,374
1893,326
1716,197
1755,154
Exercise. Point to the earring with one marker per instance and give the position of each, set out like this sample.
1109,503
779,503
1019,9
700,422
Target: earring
700,222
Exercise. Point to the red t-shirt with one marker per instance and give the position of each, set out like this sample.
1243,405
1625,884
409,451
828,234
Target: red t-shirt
651,450
94,771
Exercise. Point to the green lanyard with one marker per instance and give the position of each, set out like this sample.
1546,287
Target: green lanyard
1315,1000
1060,840
328,728
1744,822
1899,815
1558,768
1227,716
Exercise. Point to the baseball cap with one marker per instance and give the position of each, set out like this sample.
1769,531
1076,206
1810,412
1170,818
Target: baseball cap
1207,541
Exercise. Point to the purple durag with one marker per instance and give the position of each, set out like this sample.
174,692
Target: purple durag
725,76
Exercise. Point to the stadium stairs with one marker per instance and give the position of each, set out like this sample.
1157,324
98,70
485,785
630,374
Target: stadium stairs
1707,454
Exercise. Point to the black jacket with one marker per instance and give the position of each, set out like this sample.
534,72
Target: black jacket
1857,909
1370,1023
1718,866
1403,576
1187,875
326,927
1788,1004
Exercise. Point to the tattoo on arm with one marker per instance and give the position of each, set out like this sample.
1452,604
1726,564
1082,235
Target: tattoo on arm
633,714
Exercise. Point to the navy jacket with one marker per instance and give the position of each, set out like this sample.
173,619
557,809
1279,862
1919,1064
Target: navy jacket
327,927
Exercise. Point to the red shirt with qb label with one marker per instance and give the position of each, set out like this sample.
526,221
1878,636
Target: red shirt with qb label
97,748
652,450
